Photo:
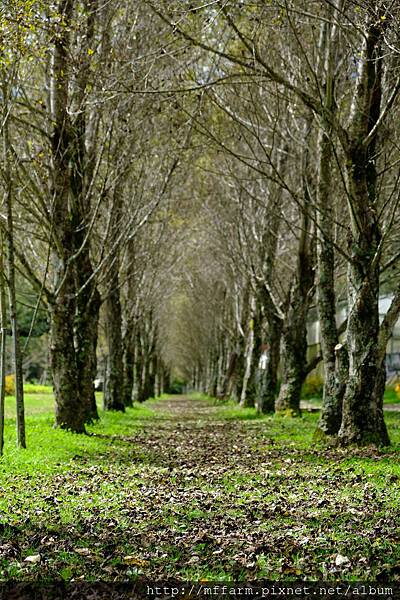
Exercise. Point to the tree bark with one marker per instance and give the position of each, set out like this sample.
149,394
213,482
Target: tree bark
269,378
294,328
230,374
294,355
247,396
3,344
331,413
113,392
69,409
17,353
86,334
363,420
128,369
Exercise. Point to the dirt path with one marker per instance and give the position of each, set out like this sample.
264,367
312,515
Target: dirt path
187,433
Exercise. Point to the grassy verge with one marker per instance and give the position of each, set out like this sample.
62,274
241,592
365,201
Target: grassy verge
390,397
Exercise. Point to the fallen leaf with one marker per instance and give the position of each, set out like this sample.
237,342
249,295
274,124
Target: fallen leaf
34,558
341,560
82,551
133,560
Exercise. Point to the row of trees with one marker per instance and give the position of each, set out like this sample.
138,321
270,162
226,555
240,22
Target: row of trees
88,165
302,116
188,180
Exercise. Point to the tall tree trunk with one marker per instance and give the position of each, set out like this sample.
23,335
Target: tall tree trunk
149,377
228,383
139,366
70,413
294,329
17,353
3,344
212,382
159,377
269,378
113,393
363,420
114,397
331,413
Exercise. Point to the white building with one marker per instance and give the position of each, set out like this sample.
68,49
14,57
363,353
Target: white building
393,347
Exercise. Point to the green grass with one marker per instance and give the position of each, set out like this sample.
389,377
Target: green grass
390,397
49,447
35,388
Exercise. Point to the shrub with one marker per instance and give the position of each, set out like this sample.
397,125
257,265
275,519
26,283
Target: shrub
313,386
10,385
176,386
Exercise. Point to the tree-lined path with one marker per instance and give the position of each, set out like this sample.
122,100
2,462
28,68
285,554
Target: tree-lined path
199,196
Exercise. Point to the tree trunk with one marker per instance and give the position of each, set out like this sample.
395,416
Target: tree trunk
128,369
294,330
113,396
269,377
213,377
363,421
139,366
17,353
227,385
3,345
331,414
70,412
86,334
149,378
293,359
159,378
247,396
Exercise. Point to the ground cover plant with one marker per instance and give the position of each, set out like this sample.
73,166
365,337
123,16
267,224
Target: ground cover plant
190,488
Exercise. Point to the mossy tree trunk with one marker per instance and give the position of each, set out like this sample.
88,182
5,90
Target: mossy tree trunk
76,303
3,343
10,259
114,393
248,391
128,367
331,413
363,420
294,327
269,377
70,412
